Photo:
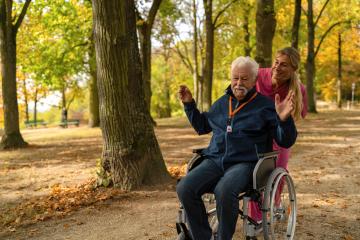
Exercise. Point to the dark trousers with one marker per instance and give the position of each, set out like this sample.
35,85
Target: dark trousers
226,185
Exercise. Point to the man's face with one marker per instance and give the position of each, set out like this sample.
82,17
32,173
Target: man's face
241,81
281,69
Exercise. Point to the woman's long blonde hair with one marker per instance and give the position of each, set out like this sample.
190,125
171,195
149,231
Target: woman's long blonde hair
295,82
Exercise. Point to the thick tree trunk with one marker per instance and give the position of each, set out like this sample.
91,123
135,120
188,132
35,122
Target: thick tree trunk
339,80
296,25
310,60
265,29
131,153
209,56
12,137
94,117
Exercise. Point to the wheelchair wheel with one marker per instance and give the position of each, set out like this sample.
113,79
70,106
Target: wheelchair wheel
279,205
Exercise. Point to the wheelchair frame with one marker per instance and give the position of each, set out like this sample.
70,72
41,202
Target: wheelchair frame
266,177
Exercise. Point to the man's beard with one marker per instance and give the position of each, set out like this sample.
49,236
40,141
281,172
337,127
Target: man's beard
245,91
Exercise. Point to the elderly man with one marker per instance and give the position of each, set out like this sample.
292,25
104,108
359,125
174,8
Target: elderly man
244,124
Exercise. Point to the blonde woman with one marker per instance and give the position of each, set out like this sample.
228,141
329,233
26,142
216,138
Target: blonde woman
275,83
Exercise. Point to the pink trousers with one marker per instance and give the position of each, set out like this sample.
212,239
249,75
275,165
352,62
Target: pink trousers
282,161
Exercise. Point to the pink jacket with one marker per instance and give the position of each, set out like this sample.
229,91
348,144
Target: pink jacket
264,86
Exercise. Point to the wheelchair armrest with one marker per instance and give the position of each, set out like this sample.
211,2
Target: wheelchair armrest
263,155
198,150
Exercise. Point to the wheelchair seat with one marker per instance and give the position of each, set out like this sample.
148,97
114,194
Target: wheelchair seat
265,165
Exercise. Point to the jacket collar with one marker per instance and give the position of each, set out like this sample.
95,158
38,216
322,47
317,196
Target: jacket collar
229,92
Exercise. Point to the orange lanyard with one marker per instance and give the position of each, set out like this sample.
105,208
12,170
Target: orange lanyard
231,112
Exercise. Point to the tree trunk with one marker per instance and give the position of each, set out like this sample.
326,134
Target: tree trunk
339,80
167,112
265,29
94,117
296,25
310,60
195,53
131,153
35,106
145,47
12,137
27,117
64,117
146,62
246,13
209,56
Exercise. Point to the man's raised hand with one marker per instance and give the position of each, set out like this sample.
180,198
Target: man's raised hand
185,94
285,108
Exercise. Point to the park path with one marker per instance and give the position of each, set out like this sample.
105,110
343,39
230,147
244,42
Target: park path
325,165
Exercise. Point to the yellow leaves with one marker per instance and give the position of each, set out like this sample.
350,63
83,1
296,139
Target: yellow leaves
177,172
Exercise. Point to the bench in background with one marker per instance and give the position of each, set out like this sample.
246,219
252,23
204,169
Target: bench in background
65,124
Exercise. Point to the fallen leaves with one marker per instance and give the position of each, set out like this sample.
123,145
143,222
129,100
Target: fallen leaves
177,171
60,201
348,237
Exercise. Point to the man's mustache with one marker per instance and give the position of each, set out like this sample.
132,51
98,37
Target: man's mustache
241,88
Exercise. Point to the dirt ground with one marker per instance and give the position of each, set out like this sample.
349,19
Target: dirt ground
325,166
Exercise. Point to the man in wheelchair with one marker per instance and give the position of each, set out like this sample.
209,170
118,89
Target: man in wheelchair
243,125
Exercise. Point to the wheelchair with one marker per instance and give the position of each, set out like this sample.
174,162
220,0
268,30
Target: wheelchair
271,188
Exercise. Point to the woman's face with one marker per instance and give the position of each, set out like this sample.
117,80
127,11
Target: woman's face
281,69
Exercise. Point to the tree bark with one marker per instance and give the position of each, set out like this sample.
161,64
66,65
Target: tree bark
12,137
94,117
209,55
296,25
131,153
265,30
310,59
339,80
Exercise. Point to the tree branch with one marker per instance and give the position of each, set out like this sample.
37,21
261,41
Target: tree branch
304,11
223,10
223,23
22,15
325,34
184,59
321,11
152,13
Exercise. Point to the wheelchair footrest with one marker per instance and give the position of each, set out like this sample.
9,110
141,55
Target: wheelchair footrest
181,228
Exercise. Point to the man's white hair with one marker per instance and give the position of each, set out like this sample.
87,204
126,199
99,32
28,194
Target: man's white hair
246,62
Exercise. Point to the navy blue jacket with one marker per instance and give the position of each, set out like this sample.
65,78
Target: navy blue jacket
253,128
